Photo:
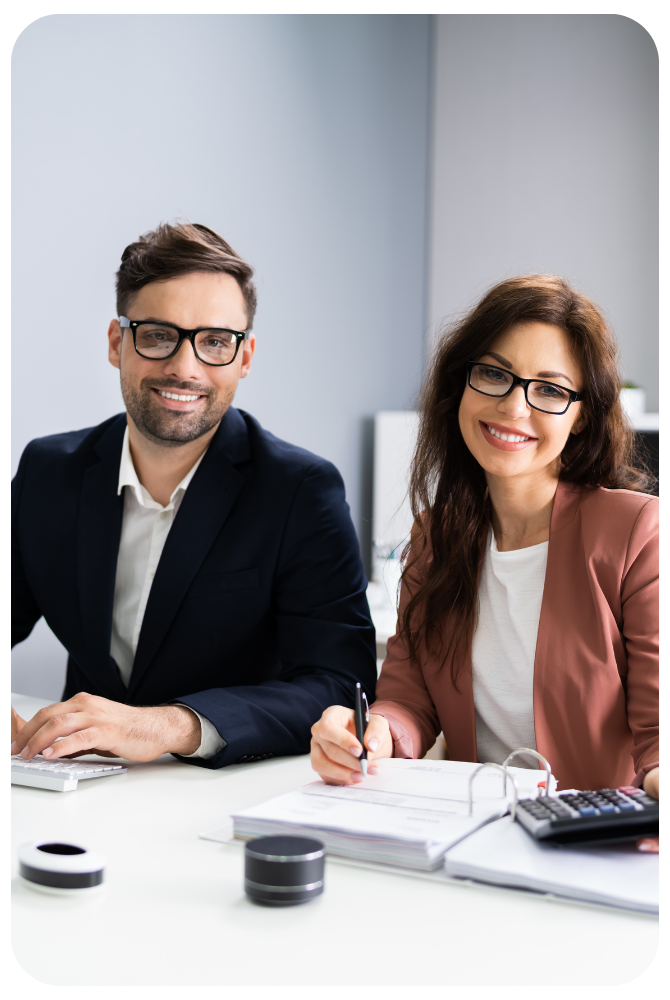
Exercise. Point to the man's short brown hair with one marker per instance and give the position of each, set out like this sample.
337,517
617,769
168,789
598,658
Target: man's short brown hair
172,251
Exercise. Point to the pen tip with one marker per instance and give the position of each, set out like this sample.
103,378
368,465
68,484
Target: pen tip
364,767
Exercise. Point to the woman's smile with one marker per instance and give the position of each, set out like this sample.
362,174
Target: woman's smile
505,438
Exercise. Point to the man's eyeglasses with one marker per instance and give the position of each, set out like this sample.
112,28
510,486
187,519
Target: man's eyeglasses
545,396
158,341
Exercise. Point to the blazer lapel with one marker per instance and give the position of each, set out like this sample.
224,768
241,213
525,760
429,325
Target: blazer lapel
98,535
201,515
552,638
565,507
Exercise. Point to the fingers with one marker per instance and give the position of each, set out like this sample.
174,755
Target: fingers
378,739
335,749
81,742
651,783
648,845
337,727
28,730
27,735
48,732
349,758
17,723
330,771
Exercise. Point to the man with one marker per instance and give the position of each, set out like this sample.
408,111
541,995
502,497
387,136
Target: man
204,576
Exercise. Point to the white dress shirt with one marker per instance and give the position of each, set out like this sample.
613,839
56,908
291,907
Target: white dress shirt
146,525
503,651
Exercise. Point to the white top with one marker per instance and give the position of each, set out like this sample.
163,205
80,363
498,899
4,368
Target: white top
146,525
503,651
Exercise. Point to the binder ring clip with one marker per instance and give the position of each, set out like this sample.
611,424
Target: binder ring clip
533,753
499,767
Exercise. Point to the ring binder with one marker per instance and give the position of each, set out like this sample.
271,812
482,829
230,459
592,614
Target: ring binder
499,767
533,753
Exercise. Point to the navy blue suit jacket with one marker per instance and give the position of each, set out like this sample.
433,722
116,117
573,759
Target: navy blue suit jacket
257,616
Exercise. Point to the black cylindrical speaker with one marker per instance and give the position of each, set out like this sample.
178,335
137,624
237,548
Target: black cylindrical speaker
281,871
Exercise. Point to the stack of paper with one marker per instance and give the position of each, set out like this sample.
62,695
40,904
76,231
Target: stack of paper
504,854
408,814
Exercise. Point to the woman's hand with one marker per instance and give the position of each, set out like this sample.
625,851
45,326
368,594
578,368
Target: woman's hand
650,785
335,749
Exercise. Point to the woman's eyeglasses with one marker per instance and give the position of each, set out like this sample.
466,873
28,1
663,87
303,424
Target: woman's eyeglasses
545,396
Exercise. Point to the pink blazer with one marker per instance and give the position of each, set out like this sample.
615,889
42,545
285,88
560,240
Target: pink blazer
595,685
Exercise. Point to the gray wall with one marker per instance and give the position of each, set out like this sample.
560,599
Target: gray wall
303,140
545,145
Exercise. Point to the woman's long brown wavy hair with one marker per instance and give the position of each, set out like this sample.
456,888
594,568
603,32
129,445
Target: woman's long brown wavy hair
448,493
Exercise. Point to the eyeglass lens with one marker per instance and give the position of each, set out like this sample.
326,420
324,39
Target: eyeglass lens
216,346
541,395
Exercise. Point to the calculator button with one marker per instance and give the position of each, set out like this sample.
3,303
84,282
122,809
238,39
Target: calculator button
626,806
607,807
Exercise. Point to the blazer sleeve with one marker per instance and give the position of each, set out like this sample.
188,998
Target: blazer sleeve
639,604
402,696
25,609
325,637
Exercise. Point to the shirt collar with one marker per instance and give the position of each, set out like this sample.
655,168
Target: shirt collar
128,477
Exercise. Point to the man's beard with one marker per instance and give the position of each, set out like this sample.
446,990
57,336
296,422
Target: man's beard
172,427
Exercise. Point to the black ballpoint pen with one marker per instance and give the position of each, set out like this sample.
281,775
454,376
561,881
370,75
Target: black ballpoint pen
362,714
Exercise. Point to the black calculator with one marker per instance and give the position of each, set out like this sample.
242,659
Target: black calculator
607,816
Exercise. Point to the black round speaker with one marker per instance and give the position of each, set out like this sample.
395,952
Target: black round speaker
282,871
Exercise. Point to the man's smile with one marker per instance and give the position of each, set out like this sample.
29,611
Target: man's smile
178,400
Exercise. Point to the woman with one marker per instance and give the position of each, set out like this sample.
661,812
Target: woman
528,611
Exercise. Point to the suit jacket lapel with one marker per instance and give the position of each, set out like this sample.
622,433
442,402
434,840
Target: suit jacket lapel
552,623
201,515
98,535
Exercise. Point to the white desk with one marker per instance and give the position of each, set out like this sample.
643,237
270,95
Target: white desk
173,910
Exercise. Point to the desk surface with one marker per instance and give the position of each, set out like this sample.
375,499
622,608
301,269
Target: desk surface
173,910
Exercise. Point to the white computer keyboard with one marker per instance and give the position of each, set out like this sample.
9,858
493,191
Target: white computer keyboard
59,775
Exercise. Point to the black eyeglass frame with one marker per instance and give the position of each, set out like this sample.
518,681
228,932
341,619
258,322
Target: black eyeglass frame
132,324
573,397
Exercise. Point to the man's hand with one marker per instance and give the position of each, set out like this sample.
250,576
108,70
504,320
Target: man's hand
89,724
17,723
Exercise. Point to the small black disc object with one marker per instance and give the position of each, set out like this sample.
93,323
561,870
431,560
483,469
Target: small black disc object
59,866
